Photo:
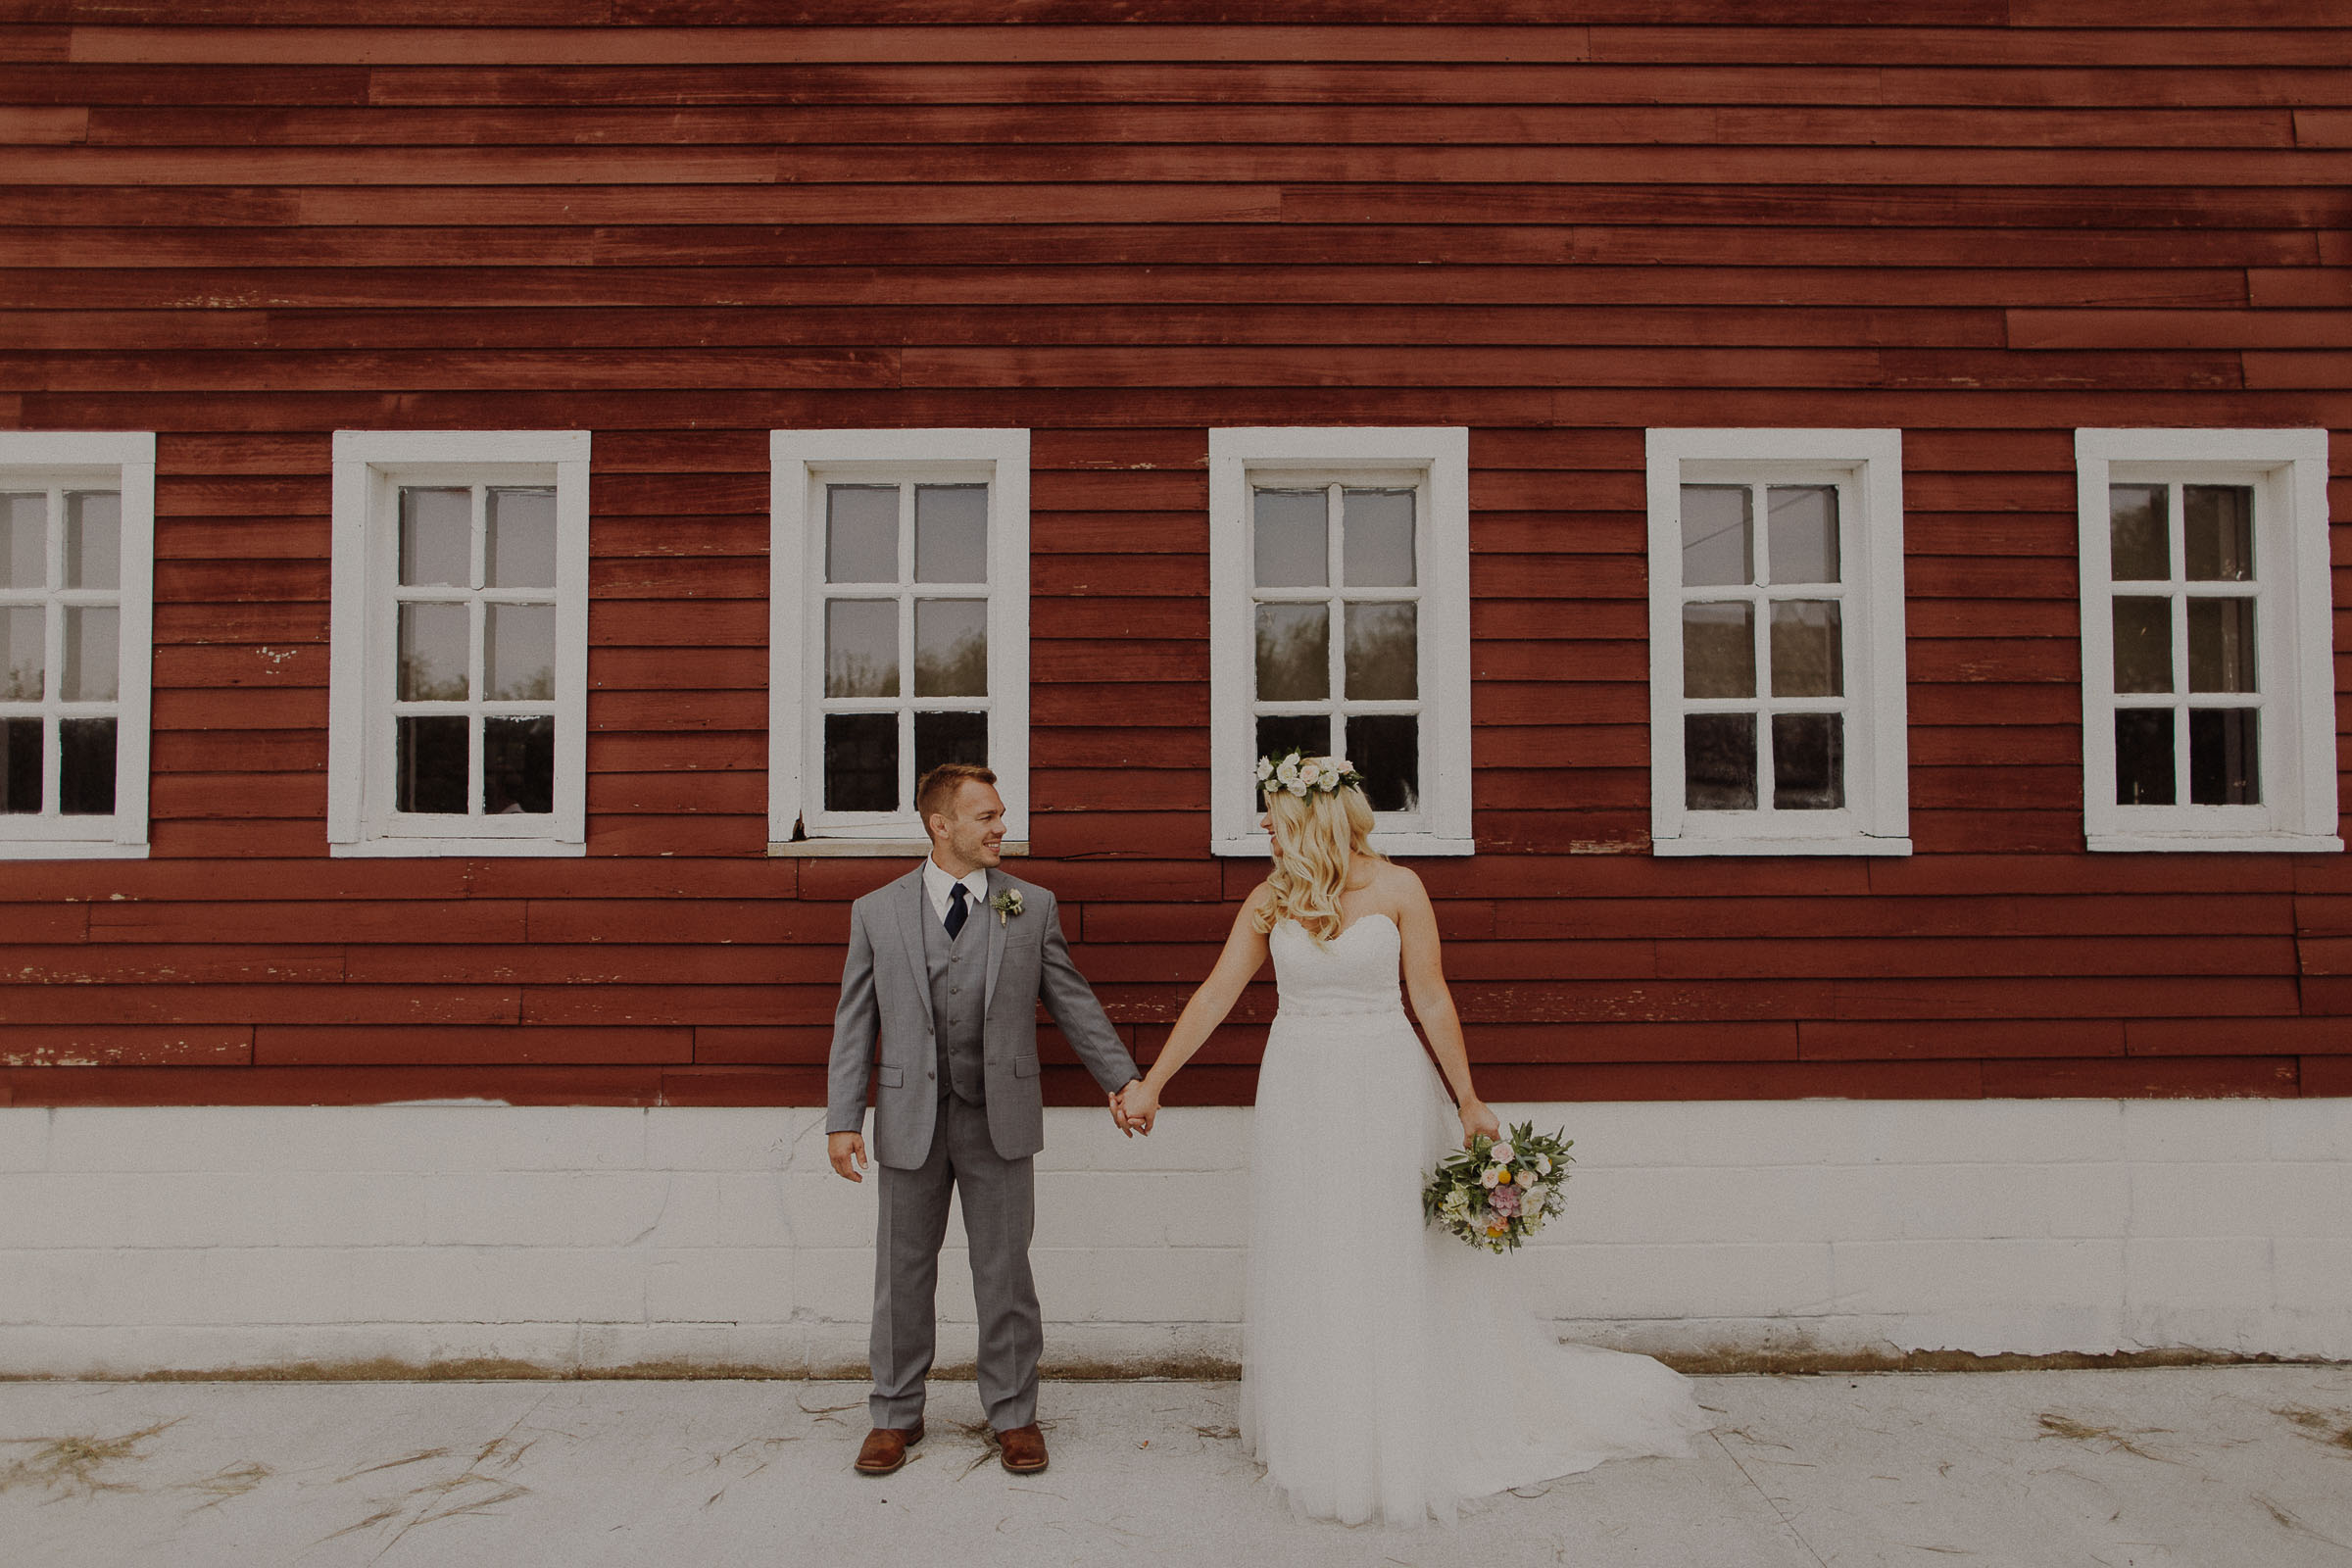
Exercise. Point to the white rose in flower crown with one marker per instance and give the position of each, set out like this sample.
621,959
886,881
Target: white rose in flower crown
1286,773
1340,767
1265,770
1310,773
1504,1154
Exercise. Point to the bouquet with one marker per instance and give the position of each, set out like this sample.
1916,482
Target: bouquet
1498,1192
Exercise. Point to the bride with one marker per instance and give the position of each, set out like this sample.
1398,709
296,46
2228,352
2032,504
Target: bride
1387,1370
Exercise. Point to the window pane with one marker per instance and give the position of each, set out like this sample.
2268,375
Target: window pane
951,649
1386,748
861,533
1294,653
1719,650
1376,541
19,766
1293,549
1719,762
861,648
518,766
2216,532
435,645
25,540
1280,734
429,765
1804,532
1808,654
2224,765
522,547
436,537
951,533
24,650
2221,645
2139,531
1383,651
948,738
2144,756
2143,644
86,755
94,539
862,761
1808,761
1719,544
518,653
93,654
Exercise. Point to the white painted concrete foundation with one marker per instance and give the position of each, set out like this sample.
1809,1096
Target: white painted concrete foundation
590,1238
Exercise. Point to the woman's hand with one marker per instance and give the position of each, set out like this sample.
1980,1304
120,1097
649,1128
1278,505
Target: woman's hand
1476,1119
1141,1105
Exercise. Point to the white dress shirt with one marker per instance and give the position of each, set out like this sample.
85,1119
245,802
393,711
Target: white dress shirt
937,882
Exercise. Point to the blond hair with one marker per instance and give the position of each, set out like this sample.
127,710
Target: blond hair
1323,833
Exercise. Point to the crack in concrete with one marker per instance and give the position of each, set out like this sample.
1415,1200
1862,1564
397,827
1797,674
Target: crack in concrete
1770,1502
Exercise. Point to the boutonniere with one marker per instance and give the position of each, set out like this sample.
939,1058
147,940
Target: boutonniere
1006,905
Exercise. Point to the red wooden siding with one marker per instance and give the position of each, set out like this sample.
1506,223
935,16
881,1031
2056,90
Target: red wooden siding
679,226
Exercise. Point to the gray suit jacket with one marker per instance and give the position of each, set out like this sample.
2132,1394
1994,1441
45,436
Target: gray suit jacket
886,1004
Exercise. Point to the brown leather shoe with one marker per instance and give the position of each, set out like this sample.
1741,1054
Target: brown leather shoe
885,1449
1022,1450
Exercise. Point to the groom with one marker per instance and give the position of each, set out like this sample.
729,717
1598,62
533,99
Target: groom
946,967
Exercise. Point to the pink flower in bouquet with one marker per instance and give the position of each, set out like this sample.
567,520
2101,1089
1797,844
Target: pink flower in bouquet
1504,1200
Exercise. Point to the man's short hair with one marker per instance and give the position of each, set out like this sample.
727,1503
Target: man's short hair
936,790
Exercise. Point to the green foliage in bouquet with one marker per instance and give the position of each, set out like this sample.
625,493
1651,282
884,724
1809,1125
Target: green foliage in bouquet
1498,1192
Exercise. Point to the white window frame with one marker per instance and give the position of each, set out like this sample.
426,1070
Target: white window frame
1439,457
2295,658
800,463
100,460
369,468
1867,465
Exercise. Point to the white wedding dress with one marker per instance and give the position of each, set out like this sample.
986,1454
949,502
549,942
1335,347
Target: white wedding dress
1387,1369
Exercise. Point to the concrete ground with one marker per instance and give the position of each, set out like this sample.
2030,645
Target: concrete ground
2238,1467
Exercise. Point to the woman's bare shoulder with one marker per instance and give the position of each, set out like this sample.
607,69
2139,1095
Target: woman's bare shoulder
1396,888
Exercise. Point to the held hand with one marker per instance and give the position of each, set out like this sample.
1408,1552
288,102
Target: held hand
1118,1116
846,1150
1476,1119
1141,1106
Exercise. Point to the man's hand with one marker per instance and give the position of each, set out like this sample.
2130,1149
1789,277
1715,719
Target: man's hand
1138,1104
847,1151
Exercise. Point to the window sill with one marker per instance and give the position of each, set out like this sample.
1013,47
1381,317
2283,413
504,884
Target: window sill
869,849
70,850
456,849
2216,843
1854,844
1397,846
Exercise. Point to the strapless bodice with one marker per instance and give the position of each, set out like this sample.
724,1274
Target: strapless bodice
1354,972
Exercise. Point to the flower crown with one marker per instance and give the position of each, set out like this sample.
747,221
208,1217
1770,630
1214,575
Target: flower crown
1302,774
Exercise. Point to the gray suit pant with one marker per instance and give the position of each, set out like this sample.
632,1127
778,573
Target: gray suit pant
999,1211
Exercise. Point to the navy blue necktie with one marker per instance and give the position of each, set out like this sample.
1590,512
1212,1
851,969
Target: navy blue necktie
957,909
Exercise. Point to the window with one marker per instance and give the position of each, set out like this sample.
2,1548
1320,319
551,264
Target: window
2208,681
899,629
1340,622
458,712
1776,621
77,604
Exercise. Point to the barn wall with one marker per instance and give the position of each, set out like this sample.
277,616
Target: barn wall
1988,225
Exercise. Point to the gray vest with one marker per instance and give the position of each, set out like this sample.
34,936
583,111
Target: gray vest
959,975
